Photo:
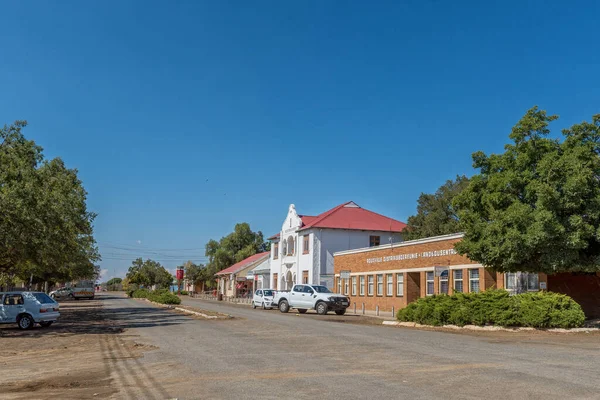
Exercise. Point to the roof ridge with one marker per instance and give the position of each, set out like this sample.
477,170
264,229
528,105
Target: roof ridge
328,213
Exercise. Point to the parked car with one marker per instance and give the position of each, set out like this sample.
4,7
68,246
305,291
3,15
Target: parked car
311,297
28,308
263,298
62,293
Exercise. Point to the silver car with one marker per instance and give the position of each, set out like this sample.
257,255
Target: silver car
28,308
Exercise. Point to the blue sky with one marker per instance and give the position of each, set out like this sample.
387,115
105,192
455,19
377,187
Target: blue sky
186,117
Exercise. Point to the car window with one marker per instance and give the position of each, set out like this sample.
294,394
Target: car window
268,293
322,289
13,300
308,290
43,298
298,288
259,292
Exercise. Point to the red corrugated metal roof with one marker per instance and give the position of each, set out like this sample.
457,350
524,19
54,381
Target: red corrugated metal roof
243,264
350,216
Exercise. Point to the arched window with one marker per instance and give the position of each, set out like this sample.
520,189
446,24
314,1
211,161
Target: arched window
284,247
290,246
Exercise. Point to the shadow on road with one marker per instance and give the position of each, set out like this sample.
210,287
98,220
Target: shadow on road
92,317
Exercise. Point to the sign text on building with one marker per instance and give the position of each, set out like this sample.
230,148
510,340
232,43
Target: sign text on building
411,256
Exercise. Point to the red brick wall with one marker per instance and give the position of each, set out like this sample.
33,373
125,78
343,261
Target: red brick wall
583,288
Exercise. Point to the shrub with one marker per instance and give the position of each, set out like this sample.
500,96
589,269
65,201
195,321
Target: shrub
496,307
184,293
140,293
164,297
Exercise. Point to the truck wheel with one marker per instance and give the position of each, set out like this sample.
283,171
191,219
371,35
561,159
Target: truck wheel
25,322
321,308
302,310
340,312
284,306
46,324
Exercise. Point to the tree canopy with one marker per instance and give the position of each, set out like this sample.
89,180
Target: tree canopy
536,207
148,273
45,226
238,245
435,213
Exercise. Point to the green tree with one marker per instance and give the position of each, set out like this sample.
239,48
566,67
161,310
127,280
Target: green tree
193,272
45,227
435,213
536,207
238,245
114,281
149,273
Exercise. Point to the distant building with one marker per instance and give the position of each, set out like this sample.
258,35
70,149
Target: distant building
233,281
302,252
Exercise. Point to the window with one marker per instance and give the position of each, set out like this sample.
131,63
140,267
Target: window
290,246
284,247
362,286
275,281
276,251
374,241
380,285
444,282
390,285
474,280
399,284
370,285
430,286
519,282
305,277
306,245
458,280
339,285
353,286
346,288
13,300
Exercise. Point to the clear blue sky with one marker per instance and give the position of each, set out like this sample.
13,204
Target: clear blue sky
186,117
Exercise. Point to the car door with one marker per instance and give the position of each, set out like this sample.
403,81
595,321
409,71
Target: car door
296,296
13,305
309,293
258,297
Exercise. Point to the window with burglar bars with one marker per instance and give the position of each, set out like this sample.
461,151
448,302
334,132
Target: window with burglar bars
370,288
400,284
353,286
474,280
458,280
430,285
362,286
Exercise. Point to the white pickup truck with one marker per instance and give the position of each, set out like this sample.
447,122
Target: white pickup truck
311,297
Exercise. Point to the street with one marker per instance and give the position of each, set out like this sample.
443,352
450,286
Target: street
162,354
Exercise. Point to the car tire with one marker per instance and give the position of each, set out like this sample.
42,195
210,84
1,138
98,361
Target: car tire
53,296
25,322
46,324
321,308
340,312
253,305
265,307
302,310
284,306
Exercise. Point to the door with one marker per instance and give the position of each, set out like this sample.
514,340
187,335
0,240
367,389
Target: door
296,296
13,305
258,297
307,299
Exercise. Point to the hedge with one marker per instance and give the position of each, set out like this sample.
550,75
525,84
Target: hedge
162,296
496,307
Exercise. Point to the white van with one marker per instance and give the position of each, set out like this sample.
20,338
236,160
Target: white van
83,290
28,308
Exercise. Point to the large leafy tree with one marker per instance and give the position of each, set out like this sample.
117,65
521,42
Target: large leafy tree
148,273
46,230
238,245
435,213
536,207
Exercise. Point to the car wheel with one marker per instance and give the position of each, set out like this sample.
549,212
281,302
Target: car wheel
53,296
25,322
263,306
302,310
284,306
321,308
46,324
253,305
340,312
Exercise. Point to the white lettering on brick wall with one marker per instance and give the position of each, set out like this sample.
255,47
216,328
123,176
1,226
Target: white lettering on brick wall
411,256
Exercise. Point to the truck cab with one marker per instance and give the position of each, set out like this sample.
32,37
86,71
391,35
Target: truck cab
311,297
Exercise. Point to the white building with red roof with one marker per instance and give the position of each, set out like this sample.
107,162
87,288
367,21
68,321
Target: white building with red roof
302,252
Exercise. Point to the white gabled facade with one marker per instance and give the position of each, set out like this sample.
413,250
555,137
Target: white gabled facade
294,261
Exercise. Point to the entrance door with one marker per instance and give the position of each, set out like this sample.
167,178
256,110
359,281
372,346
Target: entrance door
289,281
412,286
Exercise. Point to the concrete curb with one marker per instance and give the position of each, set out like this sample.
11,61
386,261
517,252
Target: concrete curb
172,307
491,328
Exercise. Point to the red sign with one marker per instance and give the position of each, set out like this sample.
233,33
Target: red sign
179,274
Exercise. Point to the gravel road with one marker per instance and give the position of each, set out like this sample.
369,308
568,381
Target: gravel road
269,355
